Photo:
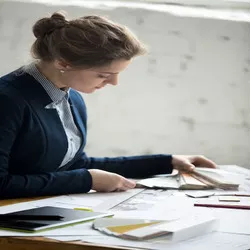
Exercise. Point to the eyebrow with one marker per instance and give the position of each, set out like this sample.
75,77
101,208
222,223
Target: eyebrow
112,73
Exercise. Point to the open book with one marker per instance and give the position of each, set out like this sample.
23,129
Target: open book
200,178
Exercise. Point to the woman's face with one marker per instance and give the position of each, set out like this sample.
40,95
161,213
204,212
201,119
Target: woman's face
89,80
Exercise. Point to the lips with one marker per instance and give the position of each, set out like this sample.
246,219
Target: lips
99,87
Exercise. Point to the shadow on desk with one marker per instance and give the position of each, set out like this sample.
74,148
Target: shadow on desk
40,243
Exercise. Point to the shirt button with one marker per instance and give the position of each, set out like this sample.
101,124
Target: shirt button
71,139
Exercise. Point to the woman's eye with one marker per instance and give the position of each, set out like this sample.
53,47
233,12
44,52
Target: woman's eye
102,76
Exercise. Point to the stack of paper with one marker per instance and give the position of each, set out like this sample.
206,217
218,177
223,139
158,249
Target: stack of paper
139,229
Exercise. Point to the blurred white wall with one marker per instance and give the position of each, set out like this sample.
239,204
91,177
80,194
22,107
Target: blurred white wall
189,95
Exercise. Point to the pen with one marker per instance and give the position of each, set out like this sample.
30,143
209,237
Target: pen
205,195
5,217
223,206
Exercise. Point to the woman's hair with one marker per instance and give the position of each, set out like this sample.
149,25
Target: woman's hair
89,41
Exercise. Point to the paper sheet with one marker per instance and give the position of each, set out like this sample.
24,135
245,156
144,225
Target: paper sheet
155,205
235,169
97,201
94,200
238,222
109,200
65,238
66,201
161,182
215,240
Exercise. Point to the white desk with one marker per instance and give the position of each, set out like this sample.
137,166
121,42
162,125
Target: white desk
234,231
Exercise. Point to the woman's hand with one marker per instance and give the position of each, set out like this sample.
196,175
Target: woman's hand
189,162
103,181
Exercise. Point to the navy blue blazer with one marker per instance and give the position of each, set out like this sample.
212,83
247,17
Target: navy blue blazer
33,144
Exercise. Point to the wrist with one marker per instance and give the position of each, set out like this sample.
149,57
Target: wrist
91,173
173,161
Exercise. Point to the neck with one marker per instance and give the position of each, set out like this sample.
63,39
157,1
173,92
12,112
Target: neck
52,74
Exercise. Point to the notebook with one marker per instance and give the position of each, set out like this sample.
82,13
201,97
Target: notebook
70,216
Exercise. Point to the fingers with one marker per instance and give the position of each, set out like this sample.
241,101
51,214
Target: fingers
129,183
122,189
189,162
186,166
125,185
202,161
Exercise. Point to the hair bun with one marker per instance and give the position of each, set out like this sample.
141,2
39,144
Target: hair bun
47,25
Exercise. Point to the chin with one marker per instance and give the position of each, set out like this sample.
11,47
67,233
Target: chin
85,91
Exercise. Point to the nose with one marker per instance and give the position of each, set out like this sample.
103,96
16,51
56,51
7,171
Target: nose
113,80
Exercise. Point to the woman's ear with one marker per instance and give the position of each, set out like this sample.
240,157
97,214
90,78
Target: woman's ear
61,65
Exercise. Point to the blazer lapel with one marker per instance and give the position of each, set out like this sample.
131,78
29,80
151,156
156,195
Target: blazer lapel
79,120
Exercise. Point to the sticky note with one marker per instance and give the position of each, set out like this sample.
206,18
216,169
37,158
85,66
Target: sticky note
229,198
126,228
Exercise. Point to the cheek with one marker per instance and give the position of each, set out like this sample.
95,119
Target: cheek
74,80
82,83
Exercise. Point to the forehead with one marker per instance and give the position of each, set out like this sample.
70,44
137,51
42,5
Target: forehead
114,67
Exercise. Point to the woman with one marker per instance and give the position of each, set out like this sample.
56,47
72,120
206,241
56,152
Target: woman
43,117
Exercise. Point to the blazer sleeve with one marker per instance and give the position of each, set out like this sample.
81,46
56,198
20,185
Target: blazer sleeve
130,167
26,185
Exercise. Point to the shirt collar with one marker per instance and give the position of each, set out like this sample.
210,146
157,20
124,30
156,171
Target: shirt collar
54,93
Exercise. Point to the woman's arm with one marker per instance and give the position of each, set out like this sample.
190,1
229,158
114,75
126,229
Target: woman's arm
129,167
25,185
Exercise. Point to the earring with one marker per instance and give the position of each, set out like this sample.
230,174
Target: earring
62,71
